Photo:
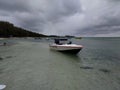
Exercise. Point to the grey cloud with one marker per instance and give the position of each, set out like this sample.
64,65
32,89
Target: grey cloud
13,5
62,8
114,1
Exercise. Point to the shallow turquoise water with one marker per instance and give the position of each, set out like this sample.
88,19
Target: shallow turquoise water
28,64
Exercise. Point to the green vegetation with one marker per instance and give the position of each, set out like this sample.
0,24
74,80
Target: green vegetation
9,30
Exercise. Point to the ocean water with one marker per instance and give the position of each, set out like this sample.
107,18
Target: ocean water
29,64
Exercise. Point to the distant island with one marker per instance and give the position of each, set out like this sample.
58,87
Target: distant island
9,30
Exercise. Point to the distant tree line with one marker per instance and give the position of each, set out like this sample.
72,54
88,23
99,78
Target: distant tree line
9,30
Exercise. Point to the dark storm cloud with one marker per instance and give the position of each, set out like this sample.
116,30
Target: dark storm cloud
74,17
13,5
56,9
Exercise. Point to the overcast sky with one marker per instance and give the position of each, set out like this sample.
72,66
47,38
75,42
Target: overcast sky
64,17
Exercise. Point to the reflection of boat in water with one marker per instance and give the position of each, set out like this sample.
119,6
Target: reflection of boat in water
65,47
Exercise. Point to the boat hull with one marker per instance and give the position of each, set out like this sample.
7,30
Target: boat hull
72,51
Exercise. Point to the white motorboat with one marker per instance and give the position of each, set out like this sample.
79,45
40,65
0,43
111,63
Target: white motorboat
65,47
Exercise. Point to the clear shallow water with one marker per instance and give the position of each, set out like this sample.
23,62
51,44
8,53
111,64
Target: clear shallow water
30,65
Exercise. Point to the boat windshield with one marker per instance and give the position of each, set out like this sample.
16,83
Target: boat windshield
62,41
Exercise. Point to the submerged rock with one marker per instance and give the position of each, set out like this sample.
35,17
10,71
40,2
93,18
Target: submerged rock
9,57
105,70
86,67
1,58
